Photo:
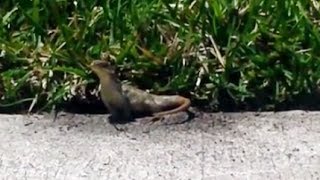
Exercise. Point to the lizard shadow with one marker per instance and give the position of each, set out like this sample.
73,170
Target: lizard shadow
146,117
151,118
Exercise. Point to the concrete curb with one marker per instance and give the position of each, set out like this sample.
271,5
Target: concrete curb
283,145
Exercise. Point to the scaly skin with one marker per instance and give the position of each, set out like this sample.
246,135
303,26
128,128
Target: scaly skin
143,102
115,95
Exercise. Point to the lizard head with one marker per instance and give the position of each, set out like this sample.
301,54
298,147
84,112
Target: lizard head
101,67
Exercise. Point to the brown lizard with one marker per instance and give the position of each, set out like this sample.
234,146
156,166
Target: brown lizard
125,99
111,93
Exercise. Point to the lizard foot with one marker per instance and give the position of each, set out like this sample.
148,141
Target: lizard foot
177,118
149,120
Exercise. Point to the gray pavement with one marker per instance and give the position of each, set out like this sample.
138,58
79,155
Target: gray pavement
282,145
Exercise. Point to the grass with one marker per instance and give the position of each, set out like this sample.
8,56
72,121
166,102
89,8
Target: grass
224,54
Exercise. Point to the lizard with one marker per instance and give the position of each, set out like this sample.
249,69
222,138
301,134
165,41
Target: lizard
131,101
111,92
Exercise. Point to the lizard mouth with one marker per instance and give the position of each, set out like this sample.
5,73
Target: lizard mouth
101,67
100,63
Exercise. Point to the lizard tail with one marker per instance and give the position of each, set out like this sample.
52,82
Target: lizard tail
180,103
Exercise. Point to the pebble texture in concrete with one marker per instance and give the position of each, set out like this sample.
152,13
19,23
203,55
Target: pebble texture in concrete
283,145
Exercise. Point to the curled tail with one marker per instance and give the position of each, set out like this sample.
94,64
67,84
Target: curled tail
178,103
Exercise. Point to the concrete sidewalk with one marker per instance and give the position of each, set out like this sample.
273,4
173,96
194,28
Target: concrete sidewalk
282,145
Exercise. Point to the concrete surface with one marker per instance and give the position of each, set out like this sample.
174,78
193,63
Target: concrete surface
282,145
